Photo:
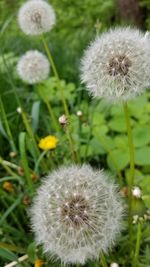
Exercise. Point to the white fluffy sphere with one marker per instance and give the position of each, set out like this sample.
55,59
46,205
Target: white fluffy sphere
36,17
76,214
33,67
116,66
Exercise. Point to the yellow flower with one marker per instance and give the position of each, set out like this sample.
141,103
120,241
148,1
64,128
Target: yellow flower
8,187
38,263
48,142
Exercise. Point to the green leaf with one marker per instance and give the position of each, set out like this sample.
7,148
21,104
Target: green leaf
96,147
24,159
35,116
146,199
31,251
2,130
142,156
118,159
118,124
6,254
141,135
145,184
10,209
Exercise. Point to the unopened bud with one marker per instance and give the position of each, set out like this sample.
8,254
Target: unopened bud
79,113
114,264
63,120
136,192
19,110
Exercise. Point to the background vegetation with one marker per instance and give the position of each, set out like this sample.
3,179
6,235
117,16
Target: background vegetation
99,134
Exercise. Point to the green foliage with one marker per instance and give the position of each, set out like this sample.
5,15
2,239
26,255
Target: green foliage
99,135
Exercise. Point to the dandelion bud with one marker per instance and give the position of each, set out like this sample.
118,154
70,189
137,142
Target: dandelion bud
136,192
79,113
19,110
116,65
63,120
76,214
8,186
33,67
114,264
13,154
36,17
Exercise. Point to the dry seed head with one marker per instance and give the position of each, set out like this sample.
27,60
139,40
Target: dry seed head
76,214
116,65
36,17
33,67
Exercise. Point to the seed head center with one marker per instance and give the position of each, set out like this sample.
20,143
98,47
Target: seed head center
36,18
118,65
75,210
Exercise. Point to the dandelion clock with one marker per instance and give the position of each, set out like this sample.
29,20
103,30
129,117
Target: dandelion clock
116,66
76,214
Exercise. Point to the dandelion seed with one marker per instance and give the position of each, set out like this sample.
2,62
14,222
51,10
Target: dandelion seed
85,226
116,65
36,17
33,67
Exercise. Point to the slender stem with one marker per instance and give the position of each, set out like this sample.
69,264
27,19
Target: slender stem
14,263
132,166
50,109
103,260
137,246
8,169
74,154
39,159
56,75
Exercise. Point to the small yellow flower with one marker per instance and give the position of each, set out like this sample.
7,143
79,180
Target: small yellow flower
8,187
48,142
38,263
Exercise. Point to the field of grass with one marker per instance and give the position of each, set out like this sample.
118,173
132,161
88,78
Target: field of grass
114,137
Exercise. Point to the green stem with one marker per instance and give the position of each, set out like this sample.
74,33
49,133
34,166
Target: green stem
39,160
56,75
137,246
74,154
8,169
103,260
132,166
50,109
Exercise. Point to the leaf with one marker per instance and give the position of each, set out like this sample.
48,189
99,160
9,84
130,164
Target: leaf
141,135
118,124
35,116
142,156
2,130
96,147
146,199
118,159
10,209
6,254
145,184
31,251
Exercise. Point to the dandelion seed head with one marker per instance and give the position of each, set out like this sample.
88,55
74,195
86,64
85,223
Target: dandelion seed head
33,67
36,17
116,65
82,223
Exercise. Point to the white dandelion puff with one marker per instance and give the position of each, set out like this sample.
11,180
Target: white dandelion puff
83,221
116,66
36,17
33,67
